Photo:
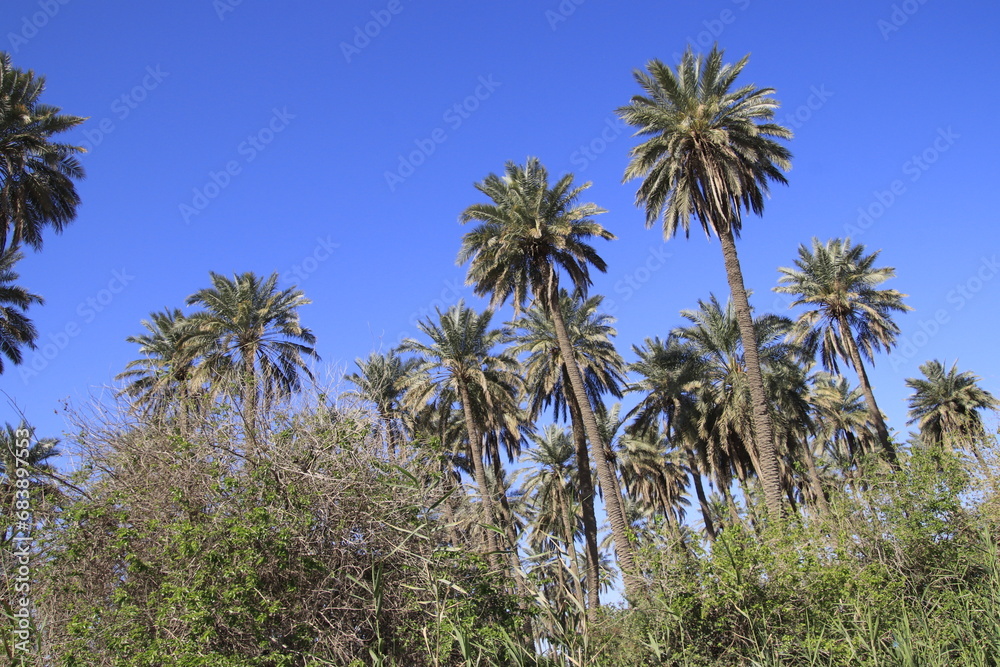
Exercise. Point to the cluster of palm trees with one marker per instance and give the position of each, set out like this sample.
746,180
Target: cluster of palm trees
474,394
750,414
246,345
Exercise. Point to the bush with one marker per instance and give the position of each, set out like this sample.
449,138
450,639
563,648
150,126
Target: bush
185,551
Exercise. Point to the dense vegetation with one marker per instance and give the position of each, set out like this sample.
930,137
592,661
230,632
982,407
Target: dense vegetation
444,507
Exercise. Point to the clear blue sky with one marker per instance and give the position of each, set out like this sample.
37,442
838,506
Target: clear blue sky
306,122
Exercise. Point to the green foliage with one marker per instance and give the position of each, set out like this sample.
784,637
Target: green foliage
904,572
186,553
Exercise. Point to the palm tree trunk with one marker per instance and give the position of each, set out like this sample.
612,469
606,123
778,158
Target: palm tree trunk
699,491
570,533
673,525
873,412
586,483
507,518
507,515
393,439
741,476
449,512
606,476
734,511
479,469
182,409
814,482
768,473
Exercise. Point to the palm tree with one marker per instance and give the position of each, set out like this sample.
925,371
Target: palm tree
36,174
460,361
655,477
20,449
250,340
946,405
787,385
724,393
16,330
669,377
529,234
848,317
548,384
840,419
552,487
711,153
381,380
438,439
165,377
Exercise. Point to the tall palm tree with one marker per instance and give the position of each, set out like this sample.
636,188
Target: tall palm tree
438,439
548,384
711,152
381,380
16,330
528,235
36,174
848,317
250,339
461,360
947,407
787,384
166,375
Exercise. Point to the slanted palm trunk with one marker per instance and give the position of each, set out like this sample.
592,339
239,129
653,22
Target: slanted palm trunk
507,515
767,469
814,481
873,412
479,470
586,483
570,532
609,482
699,491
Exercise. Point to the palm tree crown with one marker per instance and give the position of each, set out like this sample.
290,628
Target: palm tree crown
838,284
166,370
946,405
707,154
527,233
381,380
250,336
36,175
